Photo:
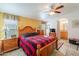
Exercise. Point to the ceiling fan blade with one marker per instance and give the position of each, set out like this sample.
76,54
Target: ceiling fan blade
57,11
61,6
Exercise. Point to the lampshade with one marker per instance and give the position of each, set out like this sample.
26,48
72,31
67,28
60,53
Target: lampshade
52,30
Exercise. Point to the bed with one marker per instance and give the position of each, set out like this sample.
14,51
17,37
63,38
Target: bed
37,45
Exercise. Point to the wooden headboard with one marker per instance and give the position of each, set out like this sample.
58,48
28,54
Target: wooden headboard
27,29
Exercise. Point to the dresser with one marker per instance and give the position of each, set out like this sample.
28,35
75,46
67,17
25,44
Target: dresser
0,46
64,35
8,45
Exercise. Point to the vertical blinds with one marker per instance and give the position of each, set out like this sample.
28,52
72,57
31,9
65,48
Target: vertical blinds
10,17
11,25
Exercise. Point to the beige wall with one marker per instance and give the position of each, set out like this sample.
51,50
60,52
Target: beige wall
28,22
21,23
2,33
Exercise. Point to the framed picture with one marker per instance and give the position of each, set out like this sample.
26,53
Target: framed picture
75,23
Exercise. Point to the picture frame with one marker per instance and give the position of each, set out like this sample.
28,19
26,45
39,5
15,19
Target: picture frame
75,23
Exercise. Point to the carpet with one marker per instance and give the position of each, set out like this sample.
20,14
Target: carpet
69,49
18,52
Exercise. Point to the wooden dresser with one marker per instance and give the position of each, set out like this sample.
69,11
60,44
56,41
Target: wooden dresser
64,35
8,45
0,47
52,34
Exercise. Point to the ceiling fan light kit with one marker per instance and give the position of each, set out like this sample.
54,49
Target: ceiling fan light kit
51,13
56,8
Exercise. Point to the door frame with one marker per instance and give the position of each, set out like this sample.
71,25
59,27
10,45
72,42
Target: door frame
58,30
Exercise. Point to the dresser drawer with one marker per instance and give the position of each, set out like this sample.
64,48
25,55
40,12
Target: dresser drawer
0,46
10,44
64,35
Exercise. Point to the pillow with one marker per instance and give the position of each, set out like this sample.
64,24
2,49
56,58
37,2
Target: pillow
29,34
26,35
35,33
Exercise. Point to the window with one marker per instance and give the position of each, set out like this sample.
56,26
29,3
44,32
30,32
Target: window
11,27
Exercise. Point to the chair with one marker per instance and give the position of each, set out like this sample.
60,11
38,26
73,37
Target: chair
77,43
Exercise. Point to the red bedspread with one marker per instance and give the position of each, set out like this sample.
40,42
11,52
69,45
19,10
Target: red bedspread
29,44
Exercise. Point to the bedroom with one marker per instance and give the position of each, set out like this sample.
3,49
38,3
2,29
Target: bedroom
18,18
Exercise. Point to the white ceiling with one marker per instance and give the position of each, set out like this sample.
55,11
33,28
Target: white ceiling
35,10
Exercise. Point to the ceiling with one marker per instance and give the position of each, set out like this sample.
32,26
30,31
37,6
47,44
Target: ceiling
35,10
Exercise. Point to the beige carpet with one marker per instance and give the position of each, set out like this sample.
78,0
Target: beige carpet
20,52
69,49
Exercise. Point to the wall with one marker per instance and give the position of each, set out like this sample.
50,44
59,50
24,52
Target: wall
28,22
22,23
51,23
2,33
72,32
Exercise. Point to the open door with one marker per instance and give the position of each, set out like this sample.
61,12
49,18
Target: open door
63,24
62,31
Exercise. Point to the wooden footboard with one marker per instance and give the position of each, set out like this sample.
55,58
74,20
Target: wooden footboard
46,50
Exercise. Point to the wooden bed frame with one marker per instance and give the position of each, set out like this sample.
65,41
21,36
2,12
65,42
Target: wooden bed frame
44,51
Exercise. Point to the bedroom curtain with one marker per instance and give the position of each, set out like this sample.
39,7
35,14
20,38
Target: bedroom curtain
10,25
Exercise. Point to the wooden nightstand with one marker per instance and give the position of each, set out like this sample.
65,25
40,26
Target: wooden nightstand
9,44
52,34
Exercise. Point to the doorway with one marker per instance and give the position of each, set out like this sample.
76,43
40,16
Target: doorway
63,28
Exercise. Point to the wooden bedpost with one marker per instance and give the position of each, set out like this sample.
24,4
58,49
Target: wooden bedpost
38,50
56,43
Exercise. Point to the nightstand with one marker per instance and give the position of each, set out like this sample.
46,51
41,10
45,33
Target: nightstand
52,34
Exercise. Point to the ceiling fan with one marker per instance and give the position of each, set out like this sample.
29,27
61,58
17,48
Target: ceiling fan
55,8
